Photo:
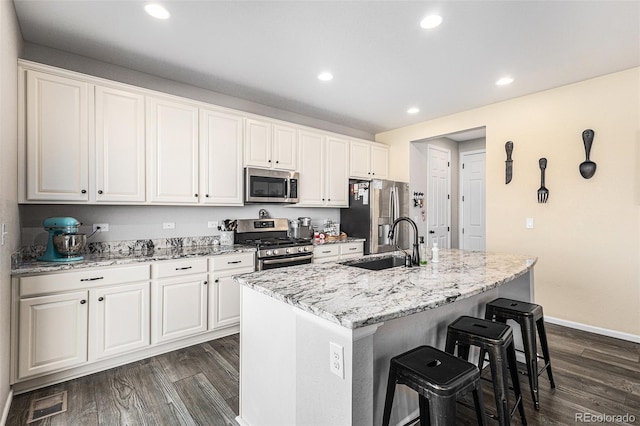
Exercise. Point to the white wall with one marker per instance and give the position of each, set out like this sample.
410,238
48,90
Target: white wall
10,47
587,237
145,222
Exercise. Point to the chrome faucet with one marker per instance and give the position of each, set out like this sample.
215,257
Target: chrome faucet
415,259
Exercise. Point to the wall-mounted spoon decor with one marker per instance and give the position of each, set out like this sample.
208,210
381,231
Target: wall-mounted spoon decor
543,192
587,167
509,163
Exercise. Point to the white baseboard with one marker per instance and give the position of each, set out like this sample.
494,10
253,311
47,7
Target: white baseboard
7,406
592,329
241,421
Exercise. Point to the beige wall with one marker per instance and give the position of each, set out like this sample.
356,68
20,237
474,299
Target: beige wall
10,46
587,237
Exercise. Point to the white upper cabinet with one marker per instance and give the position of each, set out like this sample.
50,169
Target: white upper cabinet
312,169
337,180
220,158
324,165
369,160
57,138
172,152
120,146
270,145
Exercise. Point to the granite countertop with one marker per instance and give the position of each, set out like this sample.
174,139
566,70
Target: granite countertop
355,297
125,258
347,240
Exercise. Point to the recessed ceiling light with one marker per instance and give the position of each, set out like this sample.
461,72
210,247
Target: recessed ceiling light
325,76
157,11
504,81
431,21
413,110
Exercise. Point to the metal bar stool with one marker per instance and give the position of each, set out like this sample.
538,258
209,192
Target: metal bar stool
497,340
439,378
530,317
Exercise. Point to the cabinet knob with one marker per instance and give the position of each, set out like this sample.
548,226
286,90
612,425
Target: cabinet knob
373,173
368,173
195,195
82,302
207,195
323,199
216,280
277,162
100,191
100,299
84,191
205,283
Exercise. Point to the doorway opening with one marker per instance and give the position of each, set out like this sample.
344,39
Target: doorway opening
437,212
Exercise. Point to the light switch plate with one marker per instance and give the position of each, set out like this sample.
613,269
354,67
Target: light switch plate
169,225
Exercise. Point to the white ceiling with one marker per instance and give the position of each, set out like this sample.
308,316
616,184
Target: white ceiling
270,52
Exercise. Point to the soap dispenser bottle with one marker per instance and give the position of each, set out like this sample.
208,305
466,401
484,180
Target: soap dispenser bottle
423,251
435,253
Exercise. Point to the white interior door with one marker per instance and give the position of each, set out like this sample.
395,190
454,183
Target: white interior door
473,200
439,203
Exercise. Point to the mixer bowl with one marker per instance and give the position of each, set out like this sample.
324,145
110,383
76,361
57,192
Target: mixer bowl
69,244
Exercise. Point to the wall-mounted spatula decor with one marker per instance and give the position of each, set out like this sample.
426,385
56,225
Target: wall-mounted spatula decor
543,192
509,163
587,167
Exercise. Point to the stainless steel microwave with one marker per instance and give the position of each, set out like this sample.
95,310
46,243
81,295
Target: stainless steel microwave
270,186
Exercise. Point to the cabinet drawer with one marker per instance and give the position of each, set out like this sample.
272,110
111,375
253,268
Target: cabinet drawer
178,267
326,251
351,248
232,261
90,277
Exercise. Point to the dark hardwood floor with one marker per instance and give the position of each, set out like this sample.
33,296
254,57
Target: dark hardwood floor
594,375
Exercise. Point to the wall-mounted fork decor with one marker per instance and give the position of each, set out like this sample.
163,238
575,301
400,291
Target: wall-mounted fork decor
543,192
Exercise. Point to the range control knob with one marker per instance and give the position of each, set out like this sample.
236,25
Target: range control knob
275,252
306,249
287,251
268,253
300,249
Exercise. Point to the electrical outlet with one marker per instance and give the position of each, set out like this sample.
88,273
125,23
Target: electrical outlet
213,224
3,232
169,225
336,359
101,227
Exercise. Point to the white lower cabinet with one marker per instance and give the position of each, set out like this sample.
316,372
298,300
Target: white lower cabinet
52,333
224,293
179,295
119,319
336,252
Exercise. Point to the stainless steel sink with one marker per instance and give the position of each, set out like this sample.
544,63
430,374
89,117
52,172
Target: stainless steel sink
377,264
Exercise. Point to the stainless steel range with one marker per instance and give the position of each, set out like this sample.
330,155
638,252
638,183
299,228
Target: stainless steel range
274,247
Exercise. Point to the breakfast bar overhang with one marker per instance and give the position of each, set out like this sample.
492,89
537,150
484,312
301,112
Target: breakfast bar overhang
316,340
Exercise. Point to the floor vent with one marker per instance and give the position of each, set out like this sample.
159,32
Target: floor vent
48,406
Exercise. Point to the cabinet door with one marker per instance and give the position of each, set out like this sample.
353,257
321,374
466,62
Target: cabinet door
179,307
285,147
312,169
52,333
119,319
172,135
120,149
337,187
57,138
379,162
220,158
360,160
257,143
224,299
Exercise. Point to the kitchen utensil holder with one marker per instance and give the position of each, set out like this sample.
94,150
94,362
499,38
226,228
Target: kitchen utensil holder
226,238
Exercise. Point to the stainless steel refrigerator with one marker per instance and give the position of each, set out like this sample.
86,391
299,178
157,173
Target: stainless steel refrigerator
373,206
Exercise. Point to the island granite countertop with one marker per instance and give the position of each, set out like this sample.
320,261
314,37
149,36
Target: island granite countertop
355,297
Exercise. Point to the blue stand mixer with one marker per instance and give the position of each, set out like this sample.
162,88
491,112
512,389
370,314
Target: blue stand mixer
65,243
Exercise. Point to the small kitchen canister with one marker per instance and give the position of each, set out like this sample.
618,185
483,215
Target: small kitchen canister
226,238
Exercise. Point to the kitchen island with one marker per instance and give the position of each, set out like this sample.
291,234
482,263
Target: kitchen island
316,340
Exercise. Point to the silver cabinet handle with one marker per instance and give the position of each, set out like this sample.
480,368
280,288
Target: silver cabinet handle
234,262
287,260
184,268
92,279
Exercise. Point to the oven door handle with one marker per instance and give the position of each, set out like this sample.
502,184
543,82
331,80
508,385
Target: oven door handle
287,260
